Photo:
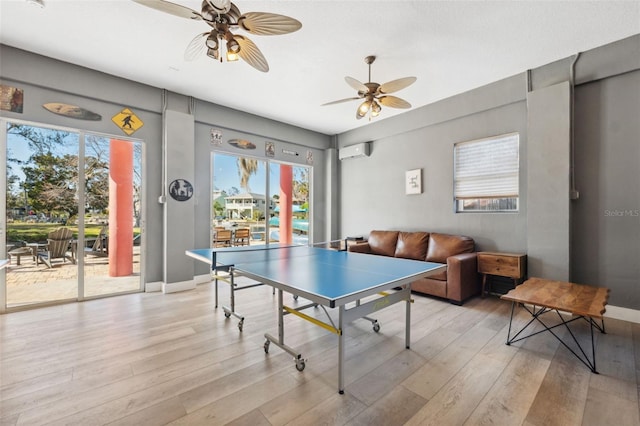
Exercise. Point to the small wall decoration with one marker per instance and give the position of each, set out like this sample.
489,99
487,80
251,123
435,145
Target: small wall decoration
270,149
11,99
216,137
289,152
181,190
413,182
127,121
309,157
242,144
71,111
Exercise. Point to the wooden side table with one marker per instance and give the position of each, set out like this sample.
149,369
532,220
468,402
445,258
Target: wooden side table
509,265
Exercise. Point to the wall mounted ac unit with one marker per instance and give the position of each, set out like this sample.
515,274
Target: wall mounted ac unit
354,151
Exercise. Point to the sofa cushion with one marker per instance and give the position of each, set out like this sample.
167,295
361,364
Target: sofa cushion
383,242
442,246
412,245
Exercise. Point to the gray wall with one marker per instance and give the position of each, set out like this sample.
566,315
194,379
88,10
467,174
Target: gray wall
606,218
594,247
548,185
373,188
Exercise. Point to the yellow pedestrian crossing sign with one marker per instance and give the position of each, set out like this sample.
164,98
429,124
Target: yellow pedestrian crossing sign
127,121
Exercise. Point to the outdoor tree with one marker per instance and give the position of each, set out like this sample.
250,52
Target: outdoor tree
246,168
51,182
51,175
96,174
218,209
96,184
40,140
15,198
301,184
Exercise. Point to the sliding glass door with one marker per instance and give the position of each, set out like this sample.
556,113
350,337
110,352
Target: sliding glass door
273,206
112,216
290,191
72,215
239,202
41,200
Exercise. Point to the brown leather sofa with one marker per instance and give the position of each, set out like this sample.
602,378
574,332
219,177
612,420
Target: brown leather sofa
460,280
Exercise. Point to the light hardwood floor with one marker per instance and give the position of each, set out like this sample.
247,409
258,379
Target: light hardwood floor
154,359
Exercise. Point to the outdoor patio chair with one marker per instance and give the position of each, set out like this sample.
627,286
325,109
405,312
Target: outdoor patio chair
57,246
222,238
241,237
100,244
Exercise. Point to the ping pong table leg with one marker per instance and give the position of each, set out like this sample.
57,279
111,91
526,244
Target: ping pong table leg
408,323
300,362
216,287
340,352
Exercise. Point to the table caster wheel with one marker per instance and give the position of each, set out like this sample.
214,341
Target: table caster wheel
227,314
300,364
240,324
376,327
266,346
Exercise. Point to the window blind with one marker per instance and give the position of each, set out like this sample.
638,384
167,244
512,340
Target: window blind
487,168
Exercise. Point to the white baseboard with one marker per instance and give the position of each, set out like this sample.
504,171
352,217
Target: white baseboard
152,287
624,314
178,286
202,279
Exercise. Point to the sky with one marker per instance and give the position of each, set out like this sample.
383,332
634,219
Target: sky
18,148
226,175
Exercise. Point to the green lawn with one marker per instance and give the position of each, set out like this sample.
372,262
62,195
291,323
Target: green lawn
37,232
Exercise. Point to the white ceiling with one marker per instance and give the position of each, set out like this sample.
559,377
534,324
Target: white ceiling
450,46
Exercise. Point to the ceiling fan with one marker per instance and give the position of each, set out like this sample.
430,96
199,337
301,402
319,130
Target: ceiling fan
375,94
222,16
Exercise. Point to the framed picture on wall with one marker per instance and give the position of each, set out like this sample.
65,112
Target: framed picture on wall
413,182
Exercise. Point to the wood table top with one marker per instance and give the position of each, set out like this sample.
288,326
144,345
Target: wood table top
578,299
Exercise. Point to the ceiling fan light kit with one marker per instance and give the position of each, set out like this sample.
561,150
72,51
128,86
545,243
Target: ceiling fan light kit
223,16
375,94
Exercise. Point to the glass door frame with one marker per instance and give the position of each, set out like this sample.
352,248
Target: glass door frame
268,184
80,276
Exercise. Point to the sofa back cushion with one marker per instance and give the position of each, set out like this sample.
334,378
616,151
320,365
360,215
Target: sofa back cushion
412,245
442,246
383,242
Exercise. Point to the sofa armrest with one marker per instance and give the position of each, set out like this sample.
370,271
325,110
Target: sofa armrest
462,277
360,248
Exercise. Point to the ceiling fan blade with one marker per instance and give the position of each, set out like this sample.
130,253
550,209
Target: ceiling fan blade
196,47
172,8
395,85
262,23
250,53
360,87
341,101
220,6
394,102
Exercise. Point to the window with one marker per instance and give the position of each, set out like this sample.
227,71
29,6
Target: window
486,174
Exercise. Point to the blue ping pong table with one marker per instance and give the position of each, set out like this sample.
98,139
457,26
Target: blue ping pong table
326,277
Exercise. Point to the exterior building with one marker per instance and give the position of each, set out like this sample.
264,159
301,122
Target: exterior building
242,206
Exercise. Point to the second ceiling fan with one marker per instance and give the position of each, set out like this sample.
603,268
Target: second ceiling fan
375,94
223,16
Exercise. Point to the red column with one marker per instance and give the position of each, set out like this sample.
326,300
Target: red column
120,208
286,204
